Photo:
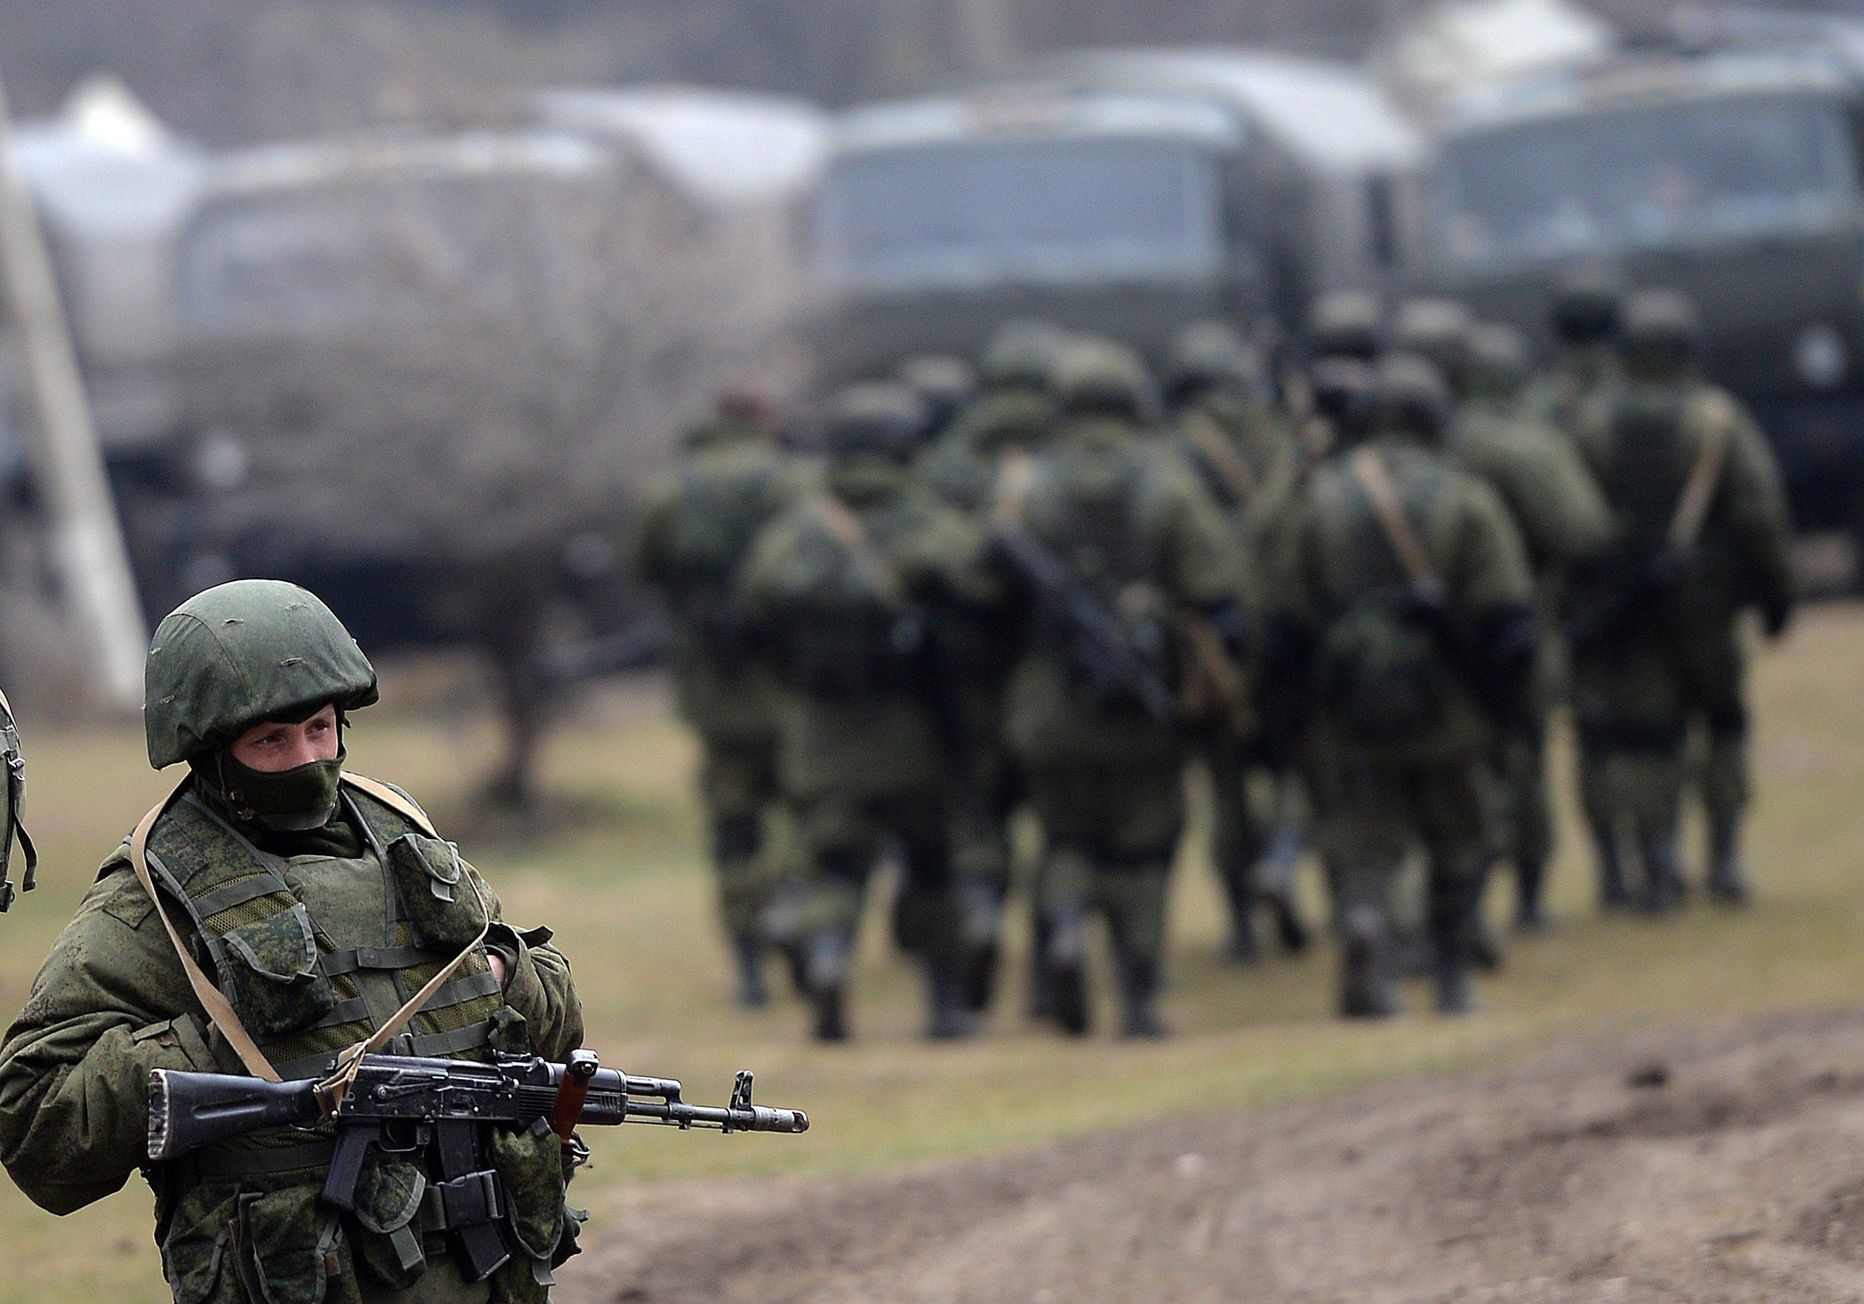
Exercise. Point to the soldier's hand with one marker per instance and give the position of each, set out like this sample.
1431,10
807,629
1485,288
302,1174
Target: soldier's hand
497,962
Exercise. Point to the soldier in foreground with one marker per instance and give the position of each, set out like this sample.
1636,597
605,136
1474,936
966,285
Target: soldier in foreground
1111,546
1401,609
318,900
848,590
1702,534
691,538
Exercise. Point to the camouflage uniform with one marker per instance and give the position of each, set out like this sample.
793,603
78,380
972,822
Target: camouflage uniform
1657,645
1393,656
1009,420
1562,518
849,586
1586,315
1243,454
693,532
315,935
1105,777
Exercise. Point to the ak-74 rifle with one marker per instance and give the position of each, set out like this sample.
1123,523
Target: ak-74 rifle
414,1107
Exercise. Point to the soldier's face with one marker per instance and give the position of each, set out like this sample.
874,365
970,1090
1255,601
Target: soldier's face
272,745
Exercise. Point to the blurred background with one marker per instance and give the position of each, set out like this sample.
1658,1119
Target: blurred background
408,299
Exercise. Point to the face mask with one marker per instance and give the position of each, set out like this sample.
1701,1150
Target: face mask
302,797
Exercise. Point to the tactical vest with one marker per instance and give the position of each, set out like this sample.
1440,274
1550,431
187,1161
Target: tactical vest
242,1220
725,497
851,633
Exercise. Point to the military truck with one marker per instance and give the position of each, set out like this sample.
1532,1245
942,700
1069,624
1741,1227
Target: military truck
1122,191
1733,173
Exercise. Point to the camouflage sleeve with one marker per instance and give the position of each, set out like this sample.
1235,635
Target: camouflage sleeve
1758,507
1200,559
644,549
537,980
1553,496
109,1004
1488,568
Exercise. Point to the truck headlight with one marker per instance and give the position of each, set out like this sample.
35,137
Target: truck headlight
1820,356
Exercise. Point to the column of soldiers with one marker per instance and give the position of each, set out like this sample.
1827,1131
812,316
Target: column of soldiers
1345,593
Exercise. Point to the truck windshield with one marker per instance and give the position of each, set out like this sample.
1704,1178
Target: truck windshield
1629,178
1050,209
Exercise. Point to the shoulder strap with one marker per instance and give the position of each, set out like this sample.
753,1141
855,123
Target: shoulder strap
219,1010
1015,478
401,805
851,532
1224,457
1705,477
1369,469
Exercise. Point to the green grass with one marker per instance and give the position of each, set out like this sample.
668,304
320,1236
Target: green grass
623,882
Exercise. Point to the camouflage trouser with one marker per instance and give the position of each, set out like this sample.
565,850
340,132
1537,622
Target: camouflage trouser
844,837
1637,701
1110,832
738,786
1237,834
1373,818
1520,766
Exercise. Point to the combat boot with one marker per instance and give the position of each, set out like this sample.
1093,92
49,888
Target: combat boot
982,925
748,952
1367,988
1529,918
1663,874
947,1018
782,927
1614,893
826,974
1276,886
1239,891
1064,971
1455,994
1728,882
1139,997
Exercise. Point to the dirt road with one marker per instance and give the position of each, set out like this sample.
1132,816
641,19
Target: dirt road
1725,1164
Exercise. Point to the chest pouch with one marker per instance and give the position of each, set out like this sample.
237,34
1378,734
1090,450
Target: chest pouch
438,904
272,965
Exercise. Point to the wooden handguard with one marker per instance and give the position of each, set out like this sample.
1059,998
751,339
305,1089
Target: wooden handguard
573,1093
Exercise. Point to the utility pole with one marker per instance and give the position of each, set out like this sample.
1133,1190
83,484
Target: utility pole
87,537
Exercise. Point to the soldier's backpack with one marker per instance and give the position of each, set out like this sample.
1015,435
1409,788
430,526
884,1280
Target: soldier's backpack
720,511
1384,671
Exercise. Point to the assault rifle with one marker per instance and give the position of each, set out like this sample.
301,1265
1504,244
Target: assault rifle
1101,646
402,1105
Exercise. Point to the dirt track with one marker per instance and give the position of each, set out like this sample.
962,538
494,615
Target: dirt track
1719,1165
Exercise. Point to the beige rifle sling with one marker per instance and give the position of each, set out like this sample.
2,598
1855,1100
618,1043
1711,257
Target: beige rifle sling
1224,457
1369,469
1705,477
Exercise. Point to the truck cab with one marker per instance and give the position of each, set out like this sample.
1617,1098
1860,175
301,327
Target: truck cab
1121,192
1732,175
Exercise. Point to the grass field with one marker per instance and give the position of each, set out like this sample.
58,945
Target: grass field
623,883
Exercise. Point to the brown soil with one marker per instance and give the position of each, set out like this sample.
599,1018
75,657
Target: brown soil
1718,1165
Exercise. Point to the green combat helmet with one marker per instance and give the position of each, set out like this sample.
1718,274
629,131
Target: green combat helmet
877,418
1411,398
1343,402
1436,329
1345,324
945,384
1096,377
1587,309
1021,354
242,652
1661,336
1499,365
1210,356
